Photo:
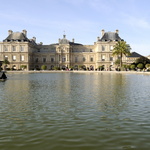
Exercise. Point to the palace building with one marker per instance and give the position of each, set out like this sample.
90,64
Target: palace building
20,51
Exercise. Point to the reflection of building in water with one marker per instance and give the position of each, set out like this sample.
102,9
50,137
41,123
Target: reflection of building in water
112,92
17,92
26,53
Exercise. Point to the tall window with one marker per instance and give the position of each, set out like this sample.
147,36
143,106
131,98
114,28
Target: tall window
111,58
91,59
103,48
5,48
111,48
22,57
52,59
44,59
5,57
76,59
63,59
21,48
14,58
36,59
84,59
13,48
103,57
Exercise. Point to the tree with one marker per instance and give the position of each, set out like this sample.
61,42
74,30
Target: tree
117,62
132,67
143,60
121,48
23,67
140,66
147,66
5,62
101,67
43,67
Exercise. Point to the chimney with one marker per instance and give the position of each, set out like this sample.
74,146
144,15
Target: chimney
10,32
73,40
117,31
103,31
64,36
59,40
24,32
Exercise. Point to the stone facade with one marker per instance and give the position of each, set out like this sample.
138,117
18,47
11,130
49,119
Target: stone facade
21,51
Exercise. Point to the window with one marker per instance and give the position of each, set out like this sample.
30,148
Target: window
22,58
111,48
91,59
21,48
5,57
44,59
76,59
84,59
103,57
63,59
103,48
14,58
13,48
52,59
36,59
91,50
111,58
5,48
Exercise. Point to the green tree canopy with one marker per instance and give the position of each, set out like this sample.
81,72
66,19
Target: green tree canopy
6,62
121,48
43,67
140,66
142,60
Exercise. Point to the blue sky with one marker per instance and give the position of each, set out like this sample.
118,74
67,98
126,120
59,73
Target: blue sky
80,19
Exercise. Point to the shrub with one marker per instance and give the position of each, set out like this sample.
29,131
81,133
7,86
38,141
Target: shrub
140,66
56,68
43,67
147,66
101,68
132,67
23,66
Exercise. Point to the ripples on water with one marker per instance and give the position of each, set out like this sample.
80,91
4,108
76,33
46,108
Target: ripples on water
72,111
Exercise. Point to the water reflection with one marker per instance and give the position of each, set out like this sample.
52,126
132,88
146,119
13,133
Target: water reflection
74,111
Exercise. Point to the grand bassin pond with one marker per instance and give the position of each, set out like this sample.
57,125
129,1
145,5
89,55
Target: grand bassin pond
73,111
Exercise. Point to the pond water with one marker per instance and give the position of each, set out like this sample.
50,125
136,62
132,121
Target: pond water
75,111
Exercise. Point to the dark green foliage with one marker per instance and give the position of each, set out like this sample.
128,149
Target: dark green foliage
23,66
6,62
121,48
140,66
101,67
142,60
43,67
132,67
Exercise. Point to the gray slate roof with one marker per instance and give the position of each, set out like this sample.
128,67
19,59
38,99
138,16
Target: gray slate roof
17,36
134,54
110,36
